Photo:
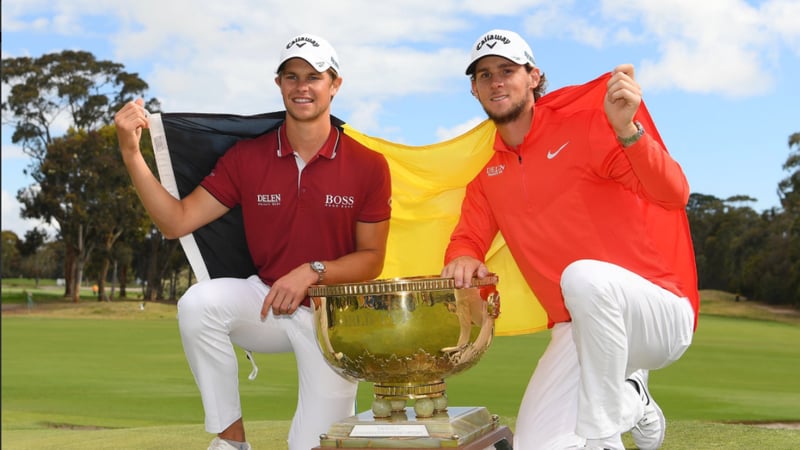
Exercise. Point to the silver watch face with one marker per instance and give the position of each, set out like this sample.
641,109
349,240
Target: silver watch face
318,266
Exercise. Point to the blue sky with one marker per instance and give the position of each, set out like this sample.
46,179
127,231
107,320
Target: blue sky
719,76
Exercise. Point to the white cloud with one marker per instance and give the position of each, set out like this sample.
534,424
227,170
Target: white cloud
718,46
783,17
11,220
713,46
220,56
398,56
557,19
444,134
503,7
364,117
729,70
12,151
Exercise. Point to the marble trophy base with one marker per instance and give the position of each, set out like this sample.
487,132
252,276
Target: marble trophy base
457,427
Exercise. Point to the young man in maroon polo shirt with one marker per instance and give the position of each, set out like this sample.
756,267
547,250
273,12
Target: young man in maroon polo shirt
316,208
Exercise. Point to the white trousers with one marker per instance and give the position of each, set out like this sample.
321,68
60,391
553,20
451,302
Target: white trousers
621,323
216,314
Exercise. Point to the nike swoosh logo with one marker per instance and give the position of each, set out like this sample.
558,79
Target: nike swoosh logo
551,155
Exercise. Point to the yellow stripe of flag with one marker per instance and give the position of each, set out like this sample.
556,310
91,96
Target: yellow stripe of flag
428,184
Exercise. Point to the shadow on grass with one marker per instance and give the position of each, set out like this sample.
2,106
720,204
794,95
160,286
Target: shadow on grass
271,435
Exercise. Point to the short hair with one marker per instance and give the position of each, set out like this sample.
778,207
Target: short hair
333,73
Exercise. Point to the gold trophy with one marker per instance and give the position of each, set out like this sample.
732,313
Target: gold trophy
406,335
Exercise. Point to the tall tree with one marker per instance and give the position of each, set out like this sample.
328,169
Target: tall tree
35,263
789,187
64,187
117,208
783,270
34,239
122,259
41,263
82,185
72,88
10,262
725,234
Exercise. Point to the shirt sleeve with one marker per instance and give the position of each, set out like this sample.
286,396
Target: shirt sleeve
221,183
378,206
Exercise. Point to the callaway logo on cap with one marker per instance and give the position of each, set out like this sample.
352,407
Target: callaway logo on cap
503,43
314,50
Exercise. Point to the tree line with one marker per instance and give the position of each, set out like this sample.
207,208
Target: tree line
81,186
80,183
741,251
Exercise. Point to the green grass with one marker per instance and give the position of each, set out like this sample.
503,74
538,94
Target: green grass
18,290
49,294
736,370
111,375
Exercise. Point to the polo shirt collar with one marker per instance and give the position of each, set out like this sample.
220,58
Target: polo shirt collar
328,149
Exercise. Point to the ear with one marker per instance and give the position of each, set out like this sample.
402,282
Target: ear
278,80
335,85
536,77
473,89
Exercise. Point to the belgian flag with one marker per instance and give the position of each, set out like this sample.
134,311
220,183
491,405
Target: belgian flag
428,185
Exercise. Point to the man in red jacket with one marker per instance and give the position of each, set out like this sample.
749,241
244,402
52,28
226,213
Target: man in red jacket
591,206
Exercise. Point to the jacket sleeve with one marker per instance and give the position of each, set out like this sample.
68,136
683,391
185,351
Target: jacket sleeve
476,227
660,177
646,168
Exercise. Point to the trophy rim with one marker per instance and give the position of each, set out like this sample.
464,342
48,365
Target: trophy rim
392,285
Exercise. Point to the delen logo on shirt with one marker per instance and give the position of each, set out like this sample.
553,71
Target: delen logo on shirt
493,171
268,199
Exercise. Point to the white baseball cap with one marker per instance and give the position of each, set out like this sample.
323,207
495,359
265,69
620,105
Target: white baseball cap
507,44
314,50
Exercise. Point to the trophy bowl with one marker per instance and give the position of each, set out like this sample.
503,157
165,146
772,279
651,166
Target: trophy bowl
405,335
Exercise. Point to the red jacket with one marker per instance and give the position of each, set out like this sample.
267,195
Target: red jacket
572,192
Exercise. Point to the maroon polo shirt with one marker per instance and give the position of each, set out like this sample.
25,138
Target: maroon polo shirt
292,217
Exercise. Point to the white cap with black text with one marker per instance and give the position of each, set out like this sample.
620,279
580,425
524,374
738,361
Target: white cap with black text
314,50
507,44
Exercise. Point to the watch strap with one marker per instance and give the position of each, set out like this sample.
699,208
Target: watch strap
319,268
630,140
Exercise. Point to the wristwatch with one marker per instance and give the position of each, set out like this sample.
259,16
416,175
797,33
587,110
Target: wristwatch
319,267
630,140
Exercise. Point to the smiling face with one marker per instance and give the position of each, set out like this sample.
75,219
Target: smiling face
306,93
505,89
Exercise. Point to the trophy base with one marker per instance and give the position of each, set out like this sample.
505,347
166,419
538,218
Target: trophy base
464,428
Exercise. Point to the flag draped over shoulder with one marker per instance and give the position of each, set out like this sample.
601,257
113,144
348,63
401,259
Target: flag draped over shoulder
186,148
428,185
